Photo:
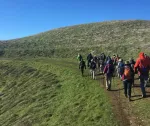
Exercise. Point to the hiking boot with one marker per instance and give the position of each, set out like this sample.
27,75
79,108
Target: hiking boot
126,95
143,96
108,89
129,99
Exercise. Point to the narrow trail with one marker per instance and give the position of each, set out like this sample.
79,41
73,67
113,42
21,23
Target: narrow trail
122,108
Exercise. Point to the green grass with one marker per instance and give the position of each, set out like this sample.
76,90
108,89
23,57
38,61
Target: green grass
127,38
51,93
139,108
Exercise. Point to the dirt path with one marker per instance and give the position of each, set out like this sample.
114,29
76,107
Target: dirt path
121,106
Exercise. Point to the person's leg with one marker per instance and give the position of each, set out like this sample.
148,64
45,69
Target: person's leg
88,63
82,71
91,73
110,81
129,85
106,82
142,87
125,88
145,81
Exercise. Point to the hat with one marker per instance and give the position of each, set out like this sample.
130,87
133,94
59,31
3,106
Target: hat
120,60
127,62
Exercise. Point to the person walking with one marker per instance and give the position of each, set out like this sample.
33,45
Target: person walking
82,66
108,71
127,78
93,69
142,66
79,57
89,58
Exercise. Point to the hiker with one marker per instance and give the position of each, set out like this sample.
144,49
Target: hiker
149,61
127,78
117,57
142,66
120,68
102,56
108,58
101,62
82,66
93,69
108,71
132,63
114,59
79,57
89,58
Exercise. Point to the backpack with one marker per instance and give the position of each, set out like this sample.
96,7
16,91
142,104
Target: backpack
144,70
82,64
80,58
121,68
93,65
110,69
127,73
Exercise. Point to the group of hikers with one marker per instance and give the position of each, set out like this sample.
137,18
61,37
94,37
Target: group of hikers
115,66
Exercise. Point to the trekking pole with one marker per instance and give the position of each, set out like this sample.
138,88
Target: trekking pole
103,80
133,89
114,82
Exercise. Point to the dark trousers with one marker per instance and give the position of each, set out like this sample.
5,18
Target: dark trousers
143,80
82,70
127,87
88,63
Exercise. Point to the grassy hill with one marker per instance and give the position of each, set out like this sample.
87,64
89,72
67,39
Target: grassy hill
122,37
51,92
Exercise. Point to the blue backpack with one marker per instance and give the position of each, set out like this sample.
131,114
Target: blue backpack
121,68
110,69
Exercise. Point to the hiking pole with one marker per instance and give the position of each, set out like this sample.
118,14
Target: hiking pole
133,89
114,82
103,79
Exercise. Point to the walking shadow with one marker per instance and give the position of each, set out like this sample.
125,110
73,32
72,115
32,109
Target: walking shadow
136,99
147,96
136,96
99,74
117,89
136,85
139,97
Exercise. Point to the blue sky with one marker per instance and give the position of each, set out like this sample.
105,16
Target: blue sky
21,18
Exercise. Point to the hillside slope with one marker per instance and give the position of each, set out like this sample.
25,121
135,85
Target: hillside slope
122,37
43,93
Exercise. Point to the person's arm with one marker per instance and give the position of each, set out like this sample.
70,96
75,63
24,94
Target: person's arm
84,65
136,66
105,69
79,65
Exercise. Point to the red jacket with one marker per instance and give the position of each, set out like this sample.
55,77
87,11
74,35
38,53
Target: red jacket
142,61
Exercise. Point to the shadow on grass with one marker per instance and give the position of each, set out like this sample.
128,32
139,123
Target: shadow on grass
117,89
136,96
136,85
139,97
136,99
